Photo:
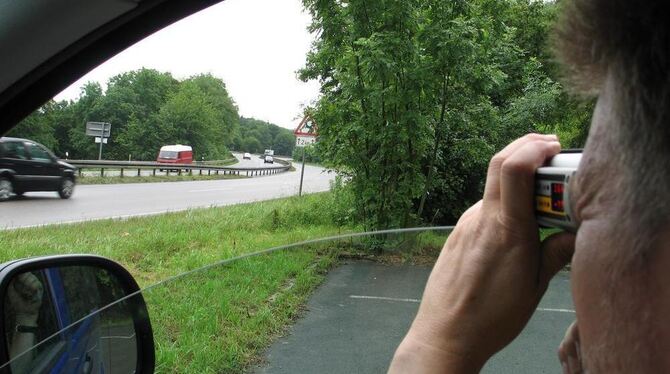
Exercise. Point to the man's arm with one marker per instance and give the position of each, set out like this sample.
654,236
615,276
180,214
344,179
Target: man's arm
25,297
492,272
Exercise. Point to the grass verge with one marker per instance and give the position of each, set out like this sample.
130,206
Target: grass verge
226,162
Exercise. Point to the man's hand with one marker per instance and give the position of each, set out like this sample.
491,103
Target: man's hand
492,271
25,297
569,351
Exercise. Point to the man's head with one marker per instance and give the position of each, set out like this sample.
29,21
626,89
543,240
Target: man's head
620,51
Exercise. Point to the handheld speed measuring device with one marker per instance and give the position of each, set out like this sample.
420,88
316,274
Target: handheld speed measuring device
552,196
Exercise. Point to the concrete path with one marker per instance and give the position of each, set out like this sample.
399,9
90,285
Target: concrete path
357,318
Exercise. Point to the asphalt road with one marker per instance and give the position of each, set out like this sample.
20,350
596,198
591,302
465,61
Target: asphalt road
255,162
357,318
125,200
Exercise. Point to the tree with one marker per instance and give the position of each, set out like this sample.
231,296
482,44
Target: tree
252,145
217,96
283,143
135,94
417,96
189,118
82,146
267,136
36,127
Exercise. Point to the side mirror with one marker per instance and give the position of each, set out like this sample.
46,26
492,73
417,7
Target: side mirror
72,314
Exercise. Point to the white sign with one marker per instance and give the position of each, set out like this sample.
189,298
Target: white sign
303,140
97,140
98,129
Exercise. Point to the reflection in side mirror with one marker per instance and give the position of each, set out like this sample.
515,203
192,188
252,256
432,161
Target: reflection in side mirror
71,314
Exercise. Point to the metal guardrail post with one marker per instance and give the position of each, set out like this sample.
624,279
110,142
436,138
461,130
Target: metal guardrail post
153,166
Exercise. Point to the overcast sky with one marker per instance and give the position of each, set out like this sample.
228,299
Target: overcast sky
255,46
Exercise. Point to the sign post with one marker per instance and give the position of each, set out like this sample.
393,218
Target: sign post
101,131
305,134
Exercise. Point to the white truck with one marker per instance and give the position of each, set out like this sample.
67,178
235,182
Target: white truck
268,156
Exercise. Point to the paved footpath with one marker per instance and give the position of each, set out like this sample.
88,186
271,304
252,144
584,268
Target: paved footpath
357,318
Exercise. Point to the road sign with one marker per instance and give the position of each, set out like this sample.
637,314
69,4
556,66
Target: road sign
307,127
303,141
305,134
99,129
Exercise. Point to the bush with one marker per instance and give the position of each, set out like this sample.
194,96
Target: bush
311,154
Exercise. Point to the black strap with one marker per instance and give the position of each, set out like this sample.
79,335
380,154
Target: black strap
27,329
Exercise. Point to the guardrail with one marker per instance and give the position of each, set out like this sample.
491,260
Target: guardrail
177,169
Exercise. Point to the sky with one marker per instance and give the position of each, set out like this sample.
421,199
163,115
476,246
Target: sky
255,46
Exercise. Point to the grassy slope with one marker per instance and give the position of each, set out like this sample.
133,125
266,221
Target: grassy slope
217,320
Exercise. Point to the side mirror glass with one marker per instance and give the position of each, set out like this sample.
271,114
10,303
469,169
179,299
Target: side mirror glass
70,314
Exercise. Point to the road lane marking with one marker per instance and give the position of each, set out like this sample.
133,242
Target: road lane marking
212,190
384,298
555,310
118,337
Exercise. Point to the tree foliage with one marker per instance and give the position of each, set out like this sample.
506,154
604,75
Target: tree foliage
147,109
255,136
417,95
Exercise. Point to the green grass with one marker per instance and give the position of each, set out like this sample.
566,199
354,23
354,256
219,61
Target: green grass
220,319
230,161
154,179
217,320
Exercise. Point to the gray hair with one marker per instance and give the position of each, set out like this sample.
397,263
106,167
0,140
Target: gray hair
629,42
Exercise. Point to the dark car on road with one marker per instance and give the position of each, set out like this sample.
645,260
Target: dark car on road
29,166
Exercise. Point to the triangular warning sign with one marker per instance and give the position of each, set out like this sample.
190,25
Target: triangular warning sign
307,127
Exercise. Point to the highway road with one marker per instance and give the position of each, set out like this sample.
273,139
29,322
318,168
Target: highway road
255,162
91,202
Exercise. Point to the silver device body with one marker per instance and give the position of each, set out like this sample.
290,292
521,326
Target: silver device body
553,206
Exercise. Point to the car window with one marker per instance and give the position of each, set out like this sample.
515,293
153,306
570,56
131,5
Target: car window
168,154
38,153
410,104
14,150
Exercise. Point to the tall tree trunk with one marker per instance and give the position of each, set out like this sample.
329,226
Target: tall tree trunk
436,147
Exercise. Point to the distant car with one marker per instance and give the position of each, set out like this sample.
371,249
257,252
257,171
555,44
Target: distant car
28,166
246,156
269,160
